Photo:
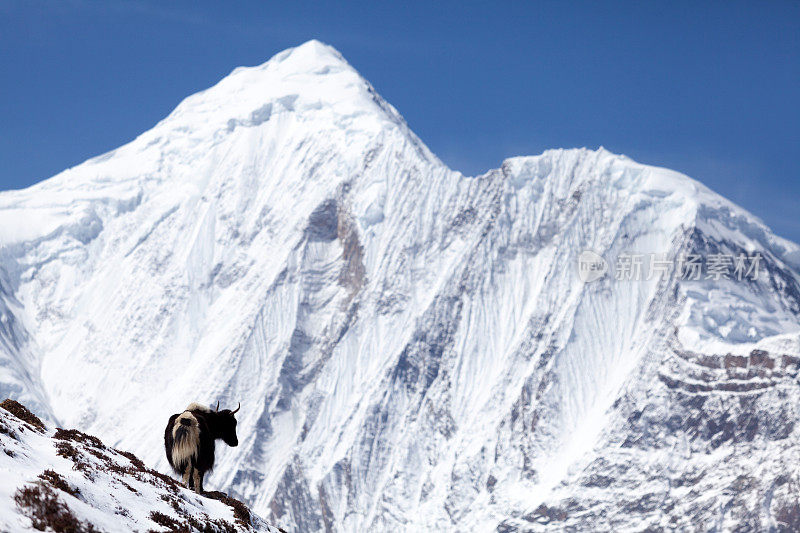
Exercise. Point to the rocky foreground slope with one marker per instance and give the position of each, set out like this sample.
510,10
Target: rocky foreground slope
70,482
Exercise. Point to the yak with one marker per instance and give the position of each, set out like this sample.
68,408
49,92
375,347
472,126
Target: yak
189,441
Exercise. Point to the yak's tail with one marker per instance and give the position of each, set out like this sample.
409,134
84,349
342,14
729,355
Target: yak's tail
181,433
185,441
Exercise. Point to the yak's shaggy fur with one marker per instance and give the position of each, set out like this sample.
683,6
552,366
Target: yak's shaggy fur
186,440
189,441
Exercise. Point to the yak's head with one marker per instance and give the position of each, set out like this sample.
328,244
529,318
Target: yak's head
226,420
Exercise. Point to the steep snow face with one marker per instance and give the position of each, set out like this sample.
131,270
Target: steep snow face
413,348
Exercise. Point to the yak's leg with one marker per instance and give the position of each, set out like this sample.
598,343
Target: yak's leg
187,476
198,481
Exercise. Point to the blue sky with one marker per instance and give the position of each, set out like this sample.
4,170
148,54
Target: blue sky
711,89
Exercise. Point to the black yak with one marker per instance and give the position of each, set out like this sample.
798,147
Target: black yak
189,441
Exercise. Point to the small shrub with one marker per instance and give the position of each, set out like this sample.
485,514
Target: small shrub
46,510
167,521
57,482
68,451
21,412
240,510
77,436
133,459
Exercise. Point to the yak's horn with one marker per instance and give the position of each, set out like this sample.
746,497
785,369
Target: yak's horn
237,409
217,407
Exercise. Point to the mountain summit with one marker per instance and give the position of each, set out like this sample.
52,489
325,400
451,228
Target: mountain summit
414,349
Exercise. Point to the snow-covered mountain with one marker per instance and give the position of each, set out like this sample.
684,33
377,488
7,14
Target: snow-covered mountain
414,349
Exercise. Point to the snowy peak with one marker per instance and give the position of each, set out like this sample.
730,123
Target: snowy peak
308,79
